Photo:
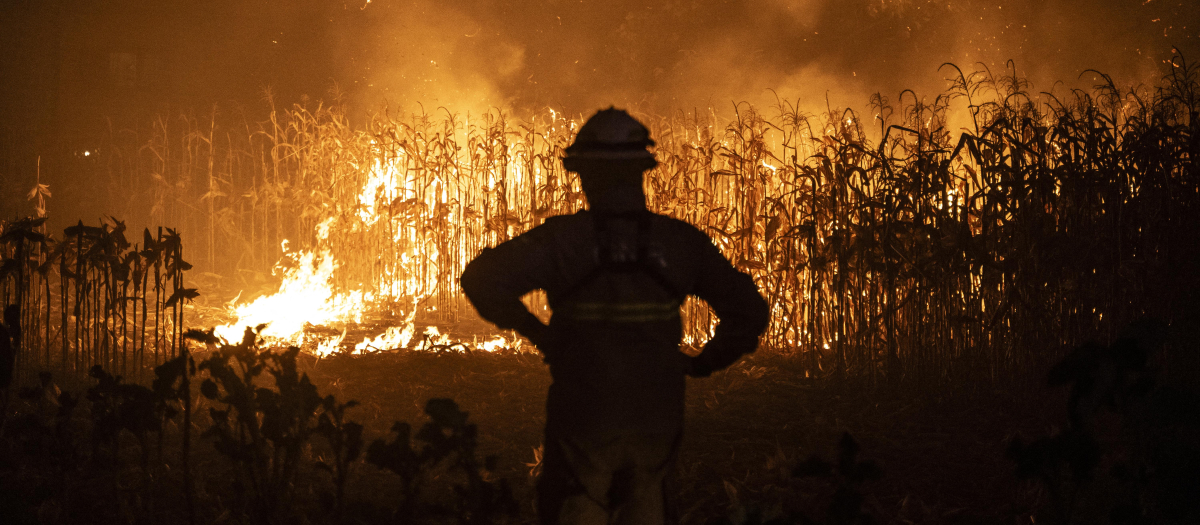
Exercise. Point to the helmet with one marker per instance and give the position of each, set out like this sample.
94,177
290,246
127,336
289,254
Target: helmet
611,134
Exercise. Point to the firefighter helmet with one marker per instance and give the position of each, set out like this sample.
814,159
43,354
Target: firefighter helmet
610,135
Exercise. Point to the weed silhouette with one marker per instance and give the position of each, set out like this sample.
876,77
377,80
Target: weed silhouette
847,474
448,440
1127,454
260,430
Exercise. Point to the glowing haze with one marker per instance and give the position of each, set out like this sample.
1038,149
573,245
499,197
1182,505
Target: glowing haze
669,55
571,55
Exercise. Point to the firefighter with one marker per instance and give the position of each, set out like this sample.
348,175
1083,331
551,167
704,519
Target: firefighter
615,276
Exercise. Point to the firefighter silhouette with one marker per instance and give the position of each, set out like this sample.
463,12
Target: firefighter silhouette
615,276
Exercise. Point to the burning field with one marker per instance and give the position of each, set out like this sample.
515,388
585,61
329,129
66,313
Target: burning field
983,303
885,246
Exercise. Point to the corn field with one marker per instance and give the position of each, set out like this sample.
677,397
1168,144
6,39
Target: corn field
93,298
887,245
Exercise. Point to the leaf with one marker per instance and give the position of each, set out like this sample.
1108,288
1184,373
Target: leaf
742,232
202,336
754,265
181,265
731,492
182,294
772,227
166,374
9,267
218,416
209,389
445,412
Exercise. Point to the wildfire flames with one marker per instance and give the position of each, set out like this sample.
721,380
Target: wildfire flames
307,296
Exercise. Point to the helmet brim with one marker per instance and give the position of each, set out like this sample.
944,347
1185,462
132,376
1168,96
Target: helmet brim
610,154
580,164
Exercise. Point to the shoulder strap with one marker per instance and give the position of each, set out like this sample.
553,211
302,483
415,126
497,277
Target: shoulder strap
641,263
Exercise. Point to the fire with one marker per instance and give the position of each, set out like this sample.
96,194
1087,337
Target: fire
394,337
308,296
395,230
305,297
497,344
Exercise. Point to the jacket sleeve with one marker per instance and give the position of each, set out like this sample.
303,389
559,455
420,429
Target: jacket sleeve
742,313
498,277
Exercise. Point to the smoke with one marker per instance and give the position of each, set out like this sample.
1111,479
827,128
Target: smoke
574,56
578,56
73,71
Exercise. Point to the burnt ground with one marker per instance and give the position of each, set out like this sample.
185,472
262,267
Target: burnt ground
942,453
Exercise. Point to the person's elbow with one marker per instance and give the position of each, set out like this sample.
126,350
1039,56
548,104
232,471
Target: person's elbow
759,314
755,322
752,310
474,280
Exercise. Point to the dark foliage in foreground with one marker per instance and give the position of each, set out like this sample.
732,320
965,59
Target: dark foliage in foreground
447,437
59,464
1128,454
63,455
111,454
847,476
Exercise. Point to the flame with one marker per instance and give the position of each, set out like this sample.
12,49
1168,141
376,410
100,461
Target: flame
307,295
497,344
385,205
434,338
331,345
395,337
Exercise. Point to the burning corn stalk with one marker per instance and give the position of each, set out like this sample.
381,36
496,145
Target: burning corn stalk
406,208
886,244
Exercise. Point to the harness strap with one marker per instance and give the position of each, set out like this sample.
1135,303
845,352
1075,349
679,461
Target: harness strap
627,312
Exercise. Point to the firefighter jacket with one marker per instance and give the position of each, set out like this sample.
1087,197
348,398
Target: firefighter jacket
615,277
